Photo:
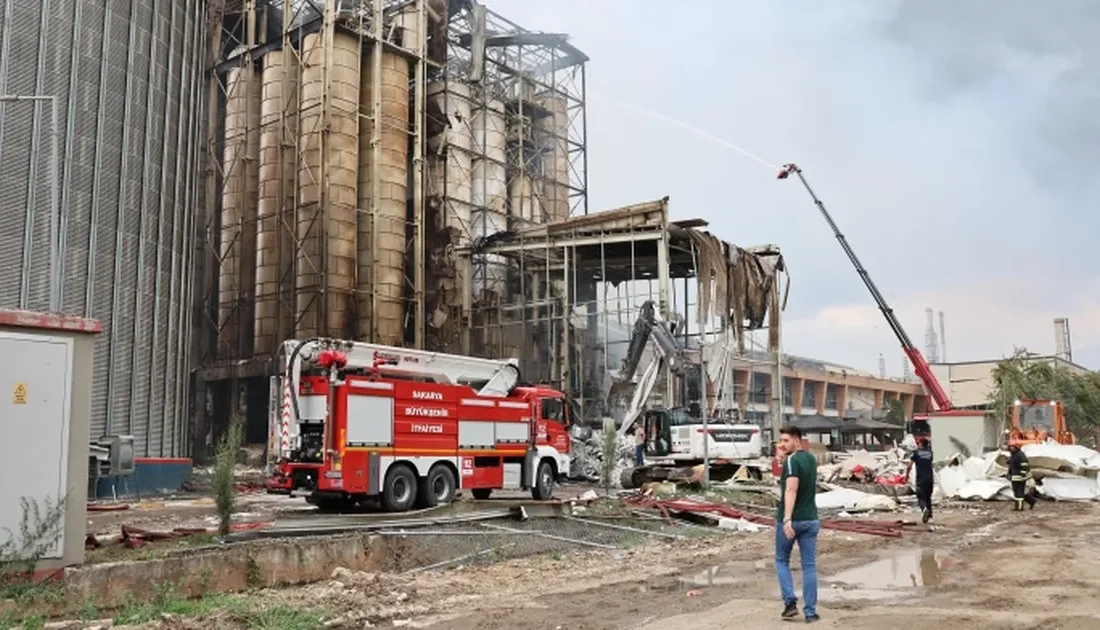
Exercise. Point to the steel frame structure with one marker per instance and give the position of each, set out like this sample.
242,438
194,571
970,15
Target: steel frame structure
581,282
500,61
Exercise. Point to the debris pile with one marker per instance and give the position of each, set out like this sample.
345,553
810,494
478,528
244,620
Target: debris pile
1062,473
588,457
883,468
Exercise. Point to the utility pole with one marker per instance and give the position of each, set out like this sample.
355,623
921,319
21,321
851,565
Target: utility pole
777,368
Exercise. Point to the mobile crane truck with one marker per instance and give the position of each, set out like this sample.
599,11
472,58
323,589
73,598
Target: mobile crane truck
919,426
358,422
1033,421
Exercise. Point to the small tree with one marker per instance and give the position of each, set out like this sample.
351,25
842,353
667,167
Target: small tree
224,492
609,456
1021,376
896,413
40,527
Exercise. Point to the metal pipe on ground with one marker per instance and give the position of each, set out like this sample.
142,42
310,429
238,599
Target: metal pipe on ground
890,529
574,541
469,556
624,528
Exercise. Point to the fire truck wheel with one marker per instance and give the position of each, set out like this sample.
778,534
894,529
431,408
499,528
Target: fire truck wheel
399,491
544,482
438,487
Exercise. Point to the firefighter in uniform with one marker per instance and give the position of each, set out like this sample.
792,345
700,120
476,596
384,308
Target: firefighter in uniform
1019,473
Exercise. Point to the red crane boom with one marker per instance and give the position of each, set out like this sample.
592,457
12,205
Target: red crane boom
920,365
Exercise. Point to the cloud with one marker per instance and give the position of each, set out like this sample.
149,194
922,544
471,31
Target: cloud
956,146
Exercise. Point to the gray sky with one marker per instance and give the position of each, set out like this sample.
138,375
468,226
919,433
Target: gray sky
956,143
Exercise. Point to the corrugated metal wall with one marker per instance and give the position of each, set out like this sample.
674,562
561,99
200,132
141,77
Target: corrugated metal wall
128,76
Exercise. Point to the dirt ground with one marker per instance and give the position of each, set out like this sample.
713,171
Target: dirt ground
985,566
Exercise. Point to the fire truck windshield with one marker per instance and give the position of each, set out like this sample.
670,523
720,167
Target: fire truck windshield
553,409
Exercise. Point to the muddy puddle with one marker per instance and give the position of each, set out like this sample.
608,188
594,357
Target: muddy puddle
728,574
897,575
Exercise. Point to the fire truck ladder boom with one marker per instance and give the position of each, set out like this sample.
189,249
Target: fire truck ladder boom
490,377
920,365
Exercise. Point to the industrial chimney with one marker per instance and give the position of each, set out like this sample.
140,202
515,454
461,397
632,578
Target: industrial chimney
1062,347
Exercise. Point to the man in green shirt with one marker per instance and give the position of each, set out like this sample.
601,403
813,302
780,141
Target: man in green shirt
797,522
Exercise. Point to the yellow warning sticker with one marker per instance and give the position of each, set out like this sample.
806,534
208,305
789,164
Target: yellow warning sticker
19,396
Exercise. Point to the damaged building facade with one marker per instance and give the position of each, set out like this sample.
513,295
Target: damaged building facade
573,290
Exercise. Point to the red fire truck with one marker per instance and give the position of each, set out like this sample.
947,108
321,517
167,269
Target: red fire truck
354,422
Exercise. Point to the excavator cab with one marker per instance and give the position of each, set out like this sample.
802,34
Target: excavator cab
1035,421
658,431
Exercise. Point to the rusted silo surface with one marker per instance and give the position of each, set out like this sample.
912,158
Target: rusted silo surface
490,190
274,243
238,218
328,246
383,303
553,132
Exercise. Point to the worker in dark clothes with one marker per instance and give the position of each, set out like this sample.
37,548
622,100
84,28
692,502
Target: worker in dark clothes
1019,473
922,459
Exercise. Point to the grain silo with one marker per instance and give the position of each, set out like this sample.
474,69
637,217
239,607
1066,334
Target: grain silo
275,214
490,190
522,200
381,282
127,78
452,177
328,179
552,132
237,254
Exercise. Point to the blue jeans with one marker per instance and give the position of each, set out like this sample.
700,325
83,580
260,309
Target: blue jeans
805,534
639,455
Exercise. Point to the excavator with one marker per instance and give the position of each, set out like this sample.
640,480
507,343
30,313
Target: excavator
1035,421
678,441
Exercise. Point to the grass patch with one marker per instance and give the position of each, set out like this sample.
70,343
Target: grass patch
152,551
240,610
632,540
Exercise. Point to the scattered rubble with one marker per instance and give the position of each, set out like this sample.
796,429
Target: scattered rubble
1062,473
588,457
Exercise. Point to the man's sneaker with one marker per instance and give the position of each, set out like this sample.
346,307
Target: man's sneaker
931,527
812,618
926,516
790,611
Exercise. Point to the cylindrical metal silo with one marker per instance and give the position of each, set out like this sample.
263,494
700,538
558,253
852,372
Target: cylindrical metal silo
328,174
454,177
490,190
522,200
128,79
552,133
382,304
274,243
237,247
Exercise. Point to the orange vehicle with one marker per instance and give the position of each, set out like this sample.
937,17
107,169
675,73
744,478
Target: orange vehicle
1035,421
410,428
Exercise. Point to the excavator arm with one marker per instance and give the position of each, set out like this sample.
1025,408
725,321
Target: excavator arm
667,351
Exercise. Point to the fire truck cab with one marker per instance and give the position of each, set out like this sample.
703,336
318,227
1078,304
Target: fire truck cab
361,422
